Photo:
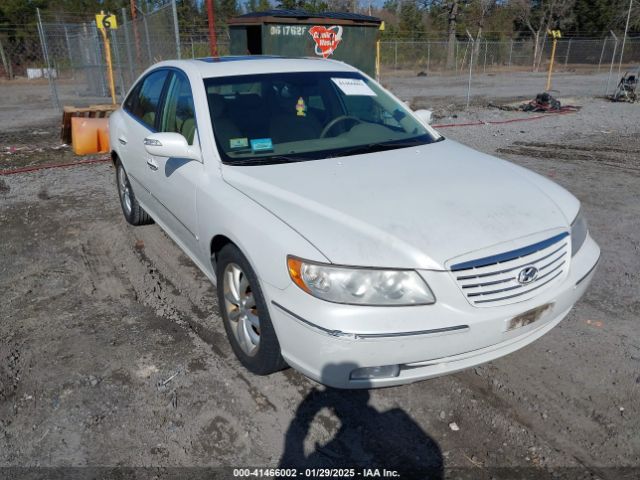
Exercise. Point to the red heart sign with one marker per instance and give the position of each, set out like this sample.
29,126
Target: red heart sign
327,39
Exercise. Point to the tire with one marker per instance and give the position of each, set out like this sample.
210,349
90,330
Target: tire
245,314
131,209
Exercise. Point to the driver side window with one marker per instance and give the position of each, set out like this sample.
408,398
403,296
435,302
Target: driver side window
178,114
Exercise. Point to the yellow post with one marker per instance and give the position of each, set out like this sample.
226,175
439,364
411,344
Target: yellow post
103,23
378,60
381,28
556,35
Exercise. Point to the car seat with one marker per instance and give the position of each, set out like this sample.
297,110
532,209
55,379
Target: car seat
223,126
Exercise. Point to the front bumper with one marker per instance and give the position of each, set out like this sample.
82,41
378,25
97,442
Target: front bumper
327,341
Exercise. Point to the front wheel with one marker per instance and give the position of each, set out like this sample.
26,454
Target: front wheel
245,314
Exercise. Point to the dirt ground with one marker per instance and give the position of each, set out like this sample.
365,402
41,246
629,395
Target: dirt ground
113,354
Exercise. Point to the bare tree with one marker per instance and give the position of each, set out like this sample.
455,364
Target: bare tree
481,10
538,17
452,20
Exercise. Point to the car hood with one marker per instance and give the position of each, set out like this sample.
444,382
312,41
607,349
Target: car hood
407,208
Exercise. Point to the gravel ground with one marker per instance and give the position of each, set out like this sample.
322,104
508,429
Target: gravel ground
112,351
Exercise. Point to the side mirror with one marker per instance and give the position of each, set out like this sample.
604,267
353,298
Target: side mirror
171,145
424,116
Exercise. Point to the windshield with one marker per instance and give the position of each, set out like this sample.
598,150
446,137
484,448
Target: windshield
286,117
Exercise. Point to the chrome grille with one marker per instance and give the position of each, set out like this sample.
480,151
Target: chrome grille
494,280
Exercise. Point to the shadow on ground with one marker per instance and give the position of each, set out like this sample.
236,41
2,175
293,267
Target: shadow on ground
364,437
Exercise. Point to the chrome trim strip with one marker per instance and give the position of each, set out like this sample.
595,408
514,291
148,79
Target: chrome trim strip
519,293
338,333
511,255
522,265
455,328
552,261
491,292
589,272
333,333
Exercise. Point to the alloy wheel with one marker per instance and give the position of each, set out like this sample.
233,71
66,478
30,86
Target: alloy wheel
241,309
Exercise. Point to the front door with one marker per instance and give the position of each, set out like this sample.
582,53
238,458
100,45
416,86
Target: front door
141,109
173,181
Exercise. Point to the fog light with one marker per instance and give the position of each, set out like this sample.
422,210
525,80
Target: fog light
368,373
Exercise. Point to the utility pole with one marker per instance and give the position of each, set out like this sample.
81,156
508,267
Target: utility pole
213,41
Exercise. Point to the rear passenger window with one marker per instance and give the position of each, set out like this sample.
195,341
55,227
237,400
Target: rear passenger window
145,106
178,114
132,100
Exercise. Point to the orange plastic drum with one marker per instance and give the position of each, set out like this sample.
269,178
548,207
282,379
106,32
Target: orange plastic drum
89,135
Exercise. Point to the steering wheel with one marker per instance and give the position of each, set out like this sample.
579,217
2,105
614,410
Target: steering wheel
337,120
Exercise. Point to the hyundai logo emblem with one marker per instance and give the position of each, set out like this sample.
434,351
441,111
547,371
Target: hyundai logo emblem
527,275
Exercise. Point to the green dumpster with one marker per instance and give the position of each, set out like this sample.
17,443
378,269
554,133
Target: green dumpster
347,37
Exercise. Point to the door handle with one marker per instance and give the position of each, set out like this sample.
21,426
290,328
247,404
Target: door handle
152,164
122,140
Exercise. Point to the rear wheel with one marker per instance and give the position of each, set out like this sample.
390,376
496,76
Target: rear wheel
245,314
133,212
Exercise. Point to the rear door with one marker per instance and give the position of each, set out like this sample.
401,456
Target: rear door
173,181
141,118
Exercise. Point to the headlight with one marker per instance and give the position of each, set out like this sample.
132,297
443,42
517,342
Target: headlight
360,286
579,231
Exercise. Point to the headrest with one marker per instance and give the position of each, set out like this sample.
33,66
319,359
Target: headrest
217,104
249,100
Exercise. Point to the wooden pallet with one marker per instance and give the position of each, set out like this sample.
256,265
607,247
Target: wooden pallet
92,111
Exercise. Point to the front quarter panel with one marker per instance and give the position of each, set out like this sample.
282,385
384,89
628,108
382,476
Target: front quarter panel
261,236
115,127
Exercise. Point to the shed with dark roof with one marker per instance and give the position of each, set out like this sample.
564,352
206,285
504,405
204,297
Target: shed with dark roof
349,37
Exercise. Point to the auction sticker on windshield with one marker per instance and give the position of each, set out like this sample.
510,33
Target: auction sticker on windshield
261,144
238,142
353,86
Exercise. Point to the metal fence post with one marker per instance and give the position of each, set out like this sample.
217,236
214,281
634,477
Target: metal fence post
100,68
116,52
395,57
604,44
6,62
470,70
66,38
566,58
613,59
486,47
624,38
510,53
174,10
456,65
45,53
428,55
146,36
127,41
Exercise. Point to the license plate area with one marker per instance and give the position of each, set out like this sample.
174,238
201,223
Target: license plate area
528,317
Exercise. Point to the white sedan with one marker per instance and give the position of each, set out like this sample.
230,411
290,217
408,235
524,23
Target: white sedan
346,237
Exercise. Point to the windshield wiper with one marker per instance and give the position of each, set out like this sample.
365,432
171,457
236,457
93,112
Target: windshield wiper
375,147
272,160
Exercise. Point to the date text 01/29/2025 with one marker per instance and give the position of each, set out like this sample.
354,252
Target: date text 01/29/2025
314,473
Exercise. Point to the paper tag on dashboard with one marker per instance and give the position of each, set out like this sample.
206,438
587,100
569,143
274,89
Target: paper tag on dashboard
353,86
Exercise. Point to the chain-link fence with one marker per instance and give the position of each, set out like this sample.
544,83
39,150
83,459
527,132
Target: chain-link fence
74,53
506,69
500,56
68,52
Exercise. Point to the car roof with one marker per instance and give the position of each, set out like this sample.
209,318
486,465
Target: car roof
253,64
